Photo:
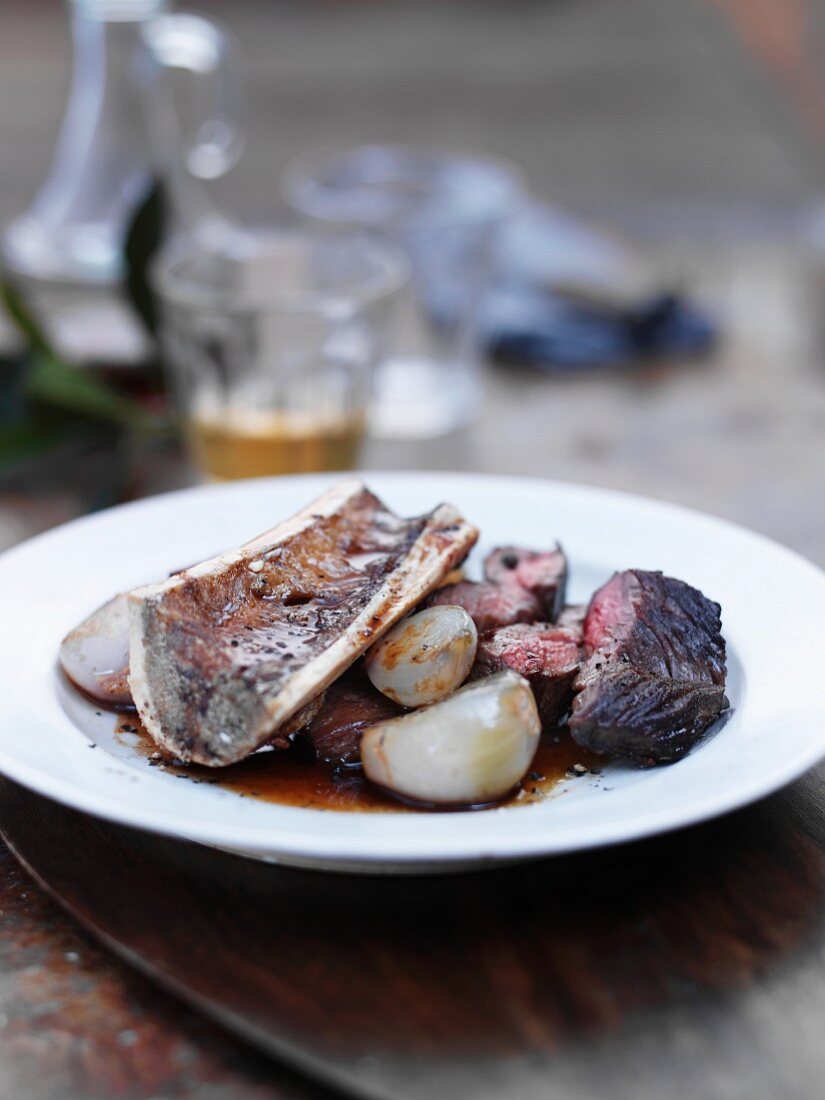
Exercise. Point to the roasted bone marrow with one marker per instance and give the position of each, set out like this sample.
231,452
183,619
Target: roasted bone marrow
222,654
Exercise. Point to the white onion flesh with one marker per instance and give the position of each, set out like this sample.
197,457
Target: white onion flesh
95,655
425,657
470,748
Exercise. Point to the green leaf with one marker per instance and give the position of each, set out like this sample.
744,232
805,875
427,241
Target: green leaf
52,382
28,439
13,400
24,320
45,401
143,238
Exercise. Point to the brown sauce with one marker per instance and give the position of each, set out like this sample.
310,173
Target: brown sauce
294,779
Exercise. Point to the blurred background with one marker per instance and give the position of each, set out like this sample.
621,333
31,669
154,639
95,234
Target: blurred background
650,312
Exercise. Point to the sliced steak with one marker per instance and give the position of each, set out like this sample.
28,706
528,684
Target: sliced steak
490,605
350,706
542,573
223,654
548,656
658,624
654,677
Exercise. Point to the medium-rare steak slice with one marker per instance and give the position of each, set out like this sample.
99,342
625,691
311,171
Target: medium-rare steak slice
490,605
224,653
351,705
654,677
549,658
542,573
658,624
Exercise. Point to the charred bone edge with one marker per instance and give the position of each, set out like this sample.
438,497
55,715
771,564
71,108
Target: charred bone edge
417,575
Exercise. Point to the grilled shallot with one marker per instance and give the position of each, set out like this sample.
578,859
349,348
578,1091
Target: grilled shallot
424,657
471,748
95,655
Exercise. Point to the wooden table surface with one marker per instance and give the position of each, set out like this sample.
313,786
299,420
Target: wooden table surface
682,966
698,142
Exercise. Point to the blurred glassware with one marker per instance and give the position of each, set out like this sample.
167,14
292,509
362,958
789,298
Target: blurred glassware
445,210
118,130
154,95
270,346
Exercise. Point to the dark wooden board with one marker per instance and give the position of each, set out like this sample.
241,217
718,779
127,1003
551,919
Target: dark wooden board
685,966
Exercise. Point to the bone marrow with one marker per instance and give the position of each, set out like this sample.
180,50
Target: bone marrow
225,653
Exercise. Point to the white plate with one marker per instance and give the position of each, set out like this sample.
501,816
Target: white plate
773,608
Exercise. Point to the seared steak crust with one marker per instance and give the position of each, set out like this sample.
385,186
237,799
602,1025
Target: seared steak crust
542,573
646,719
654,678
547,656
224,653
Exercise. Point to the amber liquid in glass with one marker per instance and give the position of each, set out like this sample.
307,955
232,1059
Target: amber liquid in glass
232,445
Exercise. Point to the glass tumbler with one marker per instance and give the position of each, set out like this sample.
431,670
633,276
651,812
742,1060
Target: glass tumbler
270,346
444,210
